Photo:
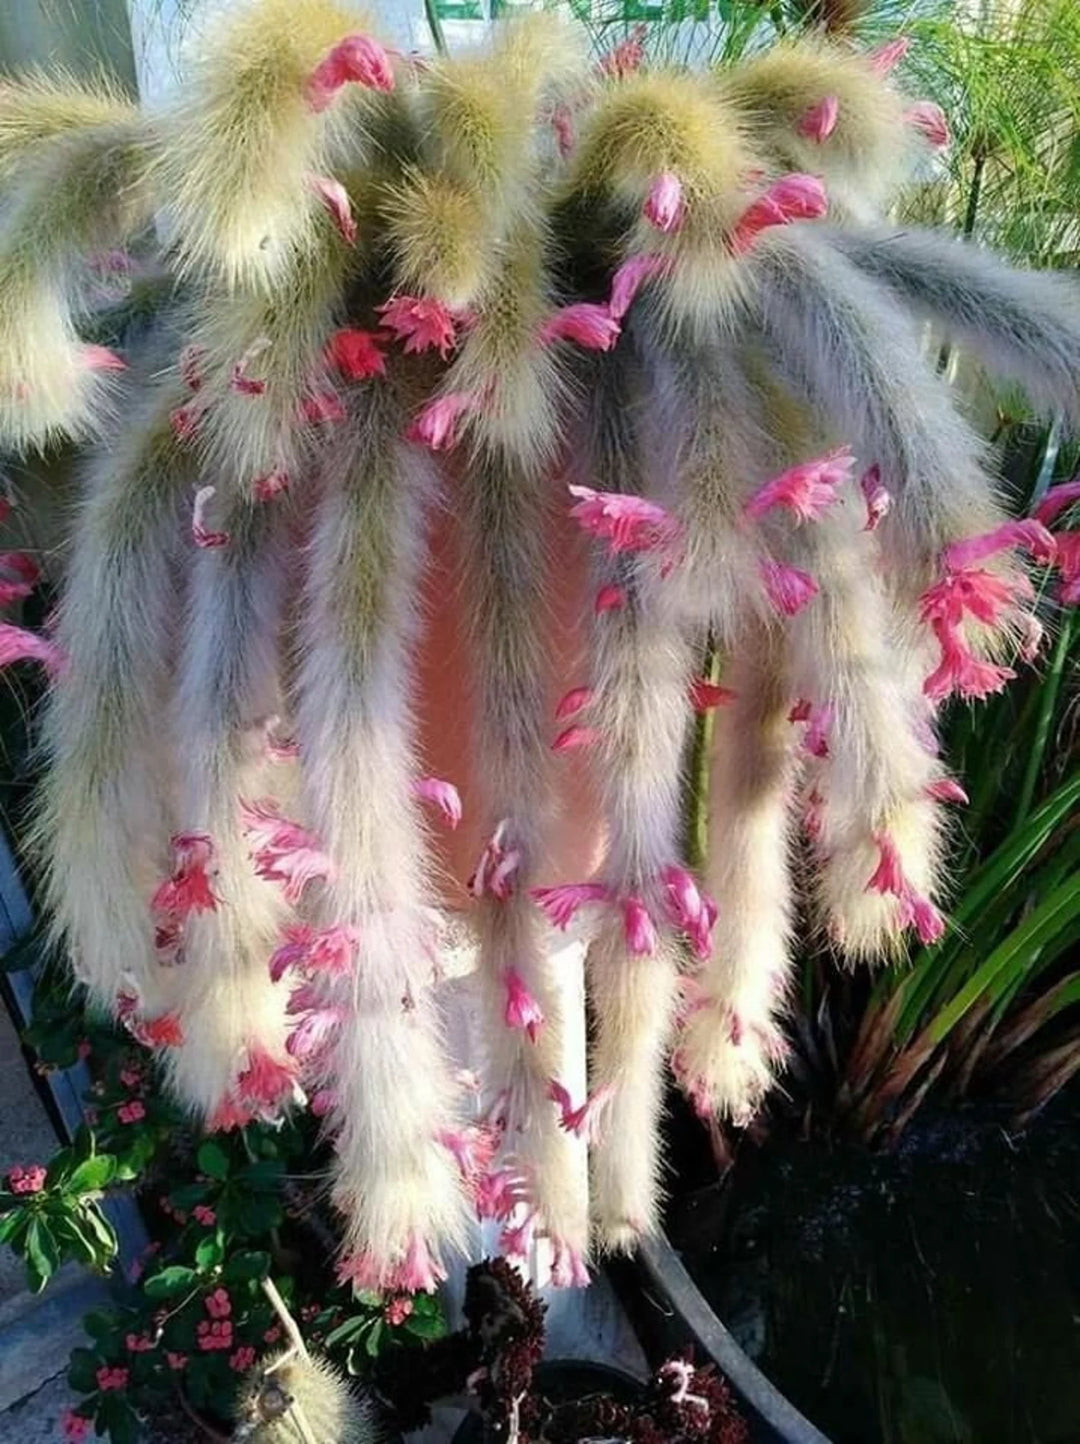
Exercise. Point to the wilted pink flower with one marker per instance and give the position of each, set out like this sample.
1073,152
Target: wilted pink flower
240,381
946,789
444,795
75,1427
689,908
27,1180
100,358
358,59
791,198
265,1082
560,904
960,671
572,738
186,421
888,876
888,56
878,497
19,645
522,1010
27,574
1057,500
356,354
639,927
928,119
282,850
498,1194
609,599
322,406
568,1270
584,1121
516,1240
272,484
315,1033
629,523
189,888
664,206
788,589
819,122
628,280
574,701
473,1148
704,695
497,868
920,911
586,323
562,123
436,425
335,199
201,533
229,1114
421,322
807,489
816,739
626,57
204,1215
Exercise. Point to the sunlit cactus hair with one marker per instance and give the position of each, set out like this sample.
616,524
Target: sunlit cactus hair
37,108
294,1398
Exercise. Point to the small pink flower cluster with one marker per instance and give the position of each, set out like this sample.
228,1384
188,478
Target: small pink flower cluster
132,1112
397,1311
418,1271
139,1344
242,1359
26,1180
111,1378
204,1215
216,1333
75,1427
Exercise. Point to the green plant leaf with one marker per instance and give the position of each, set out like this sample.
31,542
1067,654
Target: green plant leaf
247,1265
100,1325
347,1332
42,1254
82,1370
213,1160
93,1175
12,1225
423,1326
209,1253
169,1282
373,1341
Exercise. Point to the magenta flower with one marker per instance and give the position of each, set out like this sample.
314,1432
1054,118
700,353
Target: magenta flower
1028,535
887,57
629,523
293,952
573,738
315,1033
609,599
689,908
497,1194
516,1241
282,850
19,645
560,904
791,198
437,424
443,795
920,912
665,206
359,60
877,495
819,122
271,484
888,876
201,534
1057,500
628,280
26,571
1068,565
584,1121
335,201
189,888
473,1149
788,589
946,789
960,671
323,1102
639,927
705,696
421,322
807,489
574,701
356,354
981,593
265,1082
589,325
522,1010
928,119
495,872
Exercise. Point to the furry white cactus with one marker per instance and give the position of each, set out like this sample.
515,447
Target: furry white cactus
513,287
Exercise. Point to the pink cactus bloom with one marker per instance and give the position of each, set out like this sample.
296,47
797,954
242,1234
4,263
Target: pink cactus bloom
1057,500
574,701
960,671
816,739
497,1194
585,323
981,593
562,123
164,1031
335,201
887,57
437,424
186,421
282,850
878,497
791,198
629,279
665,207
888,876
522,1010
473,1149
609,599
443,795
359,60
496,871
420,322
229,1114
356,354
928,119
629,523
1028,535
788,589
265,1082
19,645
639,927
586,1120
419,1272
807,489
705,696
293,952
189,888
26,572
1068,564
946,789
568,1270
201,534
100,358
561,904
800,712
516,1241
272,484
626,57
819,122
689,908
321,407
573,738
315,1033
240,381
920,912
323,1102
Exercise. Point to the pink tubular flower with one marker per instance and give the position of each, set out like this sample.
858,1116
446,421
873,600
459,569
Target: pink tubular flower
240,381
928,119
585,323
639,927
522,1010
560,904
314,1034
265,1082
788,589
609,599
807,489
665,207
75,1427
201,534
1068,564
574,701
26,571
819,122
1057,500
437,424
626,57
357,59
628,280
981,593
791,198
920,912
27,1180
572,738
516,1240
335,200
568,1270
421,322
271,484
229,1114
100,358
495,872
960,671
888,876
816,739
473,1149
946,789
1028,535
242,1359
878,497
443,795
499,1193
629,523
19,645
204,1215
585,1121
888,56
356,354
164,1031
704,695
689,908
282,850
189,888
